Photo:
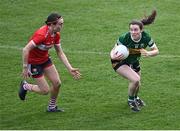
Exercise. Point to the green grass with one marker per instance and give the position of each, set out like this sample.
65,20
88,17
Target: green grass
98,100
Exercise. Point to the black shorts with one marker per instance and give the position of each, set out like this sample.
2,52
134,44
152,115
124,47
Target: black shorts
116,64
38,70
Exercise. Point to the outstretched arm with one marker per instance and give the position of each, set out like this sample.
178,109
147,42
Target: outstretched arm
73,71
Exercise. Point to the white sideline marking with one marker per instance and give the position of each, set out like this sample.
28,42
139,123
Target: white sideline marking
85,52
10,47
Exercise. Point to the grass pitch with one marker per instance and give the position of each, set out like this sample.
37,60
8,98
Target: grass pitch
99,100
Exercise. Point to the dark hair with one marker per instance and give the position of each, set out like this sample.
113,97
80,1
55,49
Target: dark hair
52,18
145,21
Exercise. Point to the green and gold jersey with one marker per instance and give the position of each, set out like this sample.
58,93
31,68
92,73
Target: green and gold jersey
135,46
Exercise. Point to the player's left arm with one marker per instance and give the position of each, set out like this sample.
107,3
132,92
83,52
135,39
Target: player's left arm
153,51
62,56
73,71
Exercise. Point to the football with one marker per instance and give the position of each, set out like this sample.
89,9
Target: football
121,49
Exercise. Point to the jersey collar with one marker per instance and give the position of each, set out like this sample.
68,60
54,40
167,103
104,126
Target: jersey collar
137,40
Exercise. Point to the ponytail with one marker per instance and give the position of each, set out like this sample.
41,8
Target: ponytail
145,21
149,19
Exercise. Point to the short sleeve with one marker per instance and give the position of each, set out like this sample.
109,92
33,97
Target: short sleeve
151,42
121,40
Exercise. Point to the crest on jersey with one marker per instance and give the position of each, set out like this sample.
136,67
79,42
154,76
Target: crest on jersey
34,70
142,45
136,45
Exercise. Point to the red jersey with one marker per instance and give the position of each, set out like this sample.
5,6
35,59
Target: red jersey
43,41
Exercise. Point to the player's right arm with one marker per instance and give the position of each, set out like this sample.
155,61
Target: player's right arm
113,54
25,54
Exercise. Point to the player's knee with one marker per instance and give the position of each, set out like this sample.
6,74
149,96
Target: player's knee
136,81
57,84
45,91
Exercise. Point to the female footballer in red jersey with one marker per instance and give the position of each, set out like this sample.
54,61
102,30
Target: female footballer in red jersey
38,64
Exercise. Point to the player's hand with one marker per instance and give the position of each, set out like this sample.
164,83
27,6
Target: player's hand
26,73
144,53
117,56
75,73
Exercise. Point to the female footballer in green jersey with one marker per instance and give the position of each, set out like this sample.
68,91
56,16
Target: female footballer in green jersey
136,40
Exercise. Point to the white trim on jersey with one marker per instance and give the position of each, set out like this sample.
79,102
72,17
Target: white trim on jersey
57,45
44,47
33,43
136,40
118,43
153,46
151,42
